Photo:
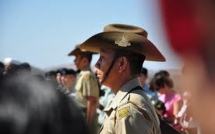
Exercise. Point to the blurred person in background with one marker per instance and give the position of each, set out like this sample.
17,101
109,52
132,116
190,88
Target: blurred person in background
9,62
160,108
191,32
185,116
66,78
86,86
11,69
164,73
51,75
14,69
29,106
151,93
103,103
172,101
143,78
25,67
2,69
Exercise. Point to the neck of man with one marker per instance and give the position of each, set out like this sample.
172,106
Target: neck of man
86,67
120,82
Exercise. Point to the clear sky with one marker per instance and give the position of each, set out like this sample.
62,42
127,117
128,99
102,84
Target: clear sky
42,32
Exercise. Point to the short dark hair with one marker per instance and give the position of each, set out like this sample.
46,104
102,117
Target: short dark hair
135,60
160,81
162,73
66,71
144,71
34,107
1,64
25,66
2,68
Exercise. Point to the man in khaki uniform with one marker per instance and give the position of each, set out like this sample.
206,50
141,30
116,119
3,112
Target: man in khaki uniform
87,88
123,49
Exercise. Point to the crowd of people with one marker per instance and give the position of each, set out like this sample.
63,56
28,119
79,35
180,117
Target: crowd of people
117,97
170,105
32,104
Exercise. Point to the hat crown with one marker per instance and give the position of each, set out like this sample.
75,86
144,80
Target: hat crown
126,29
78,51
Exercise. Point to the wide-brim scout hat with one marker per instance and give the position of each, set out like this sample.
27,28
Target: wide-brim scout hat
77,51
123,37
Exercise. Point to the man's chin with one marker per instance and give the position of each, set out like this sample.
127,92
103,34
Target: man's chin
103,82
107,85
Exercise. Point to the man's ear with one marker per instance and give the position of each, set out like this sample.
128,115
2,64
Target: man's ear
123,64
85,61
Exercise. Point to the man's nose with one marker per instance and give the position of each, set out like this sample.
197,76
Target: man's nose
75,60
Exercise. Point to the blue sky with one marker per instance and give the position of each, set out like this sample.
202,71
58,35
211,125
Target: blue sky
42,32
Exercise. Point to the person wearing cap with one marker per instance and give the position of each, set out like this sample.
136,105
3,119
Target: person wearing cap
123,49
66,80
87,87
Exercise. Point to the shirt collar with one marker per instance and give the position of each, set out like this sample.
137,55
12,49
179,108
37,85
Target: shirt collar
127,87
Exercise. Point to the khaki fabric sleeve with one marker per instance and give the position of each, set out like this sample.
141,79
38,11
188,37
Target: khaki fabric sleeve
131,119
90,85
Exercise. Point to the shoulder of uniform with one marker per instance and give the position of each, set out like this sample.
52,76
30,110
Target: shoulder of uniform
134,101
135,97
87,74
138,98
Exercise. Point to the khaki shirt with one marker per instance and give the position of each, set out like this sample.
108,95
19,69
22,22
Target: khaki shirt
86,85
130,112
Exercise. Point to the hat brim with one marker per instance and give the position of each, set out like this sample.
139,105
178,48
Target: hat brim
78,51
139,44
